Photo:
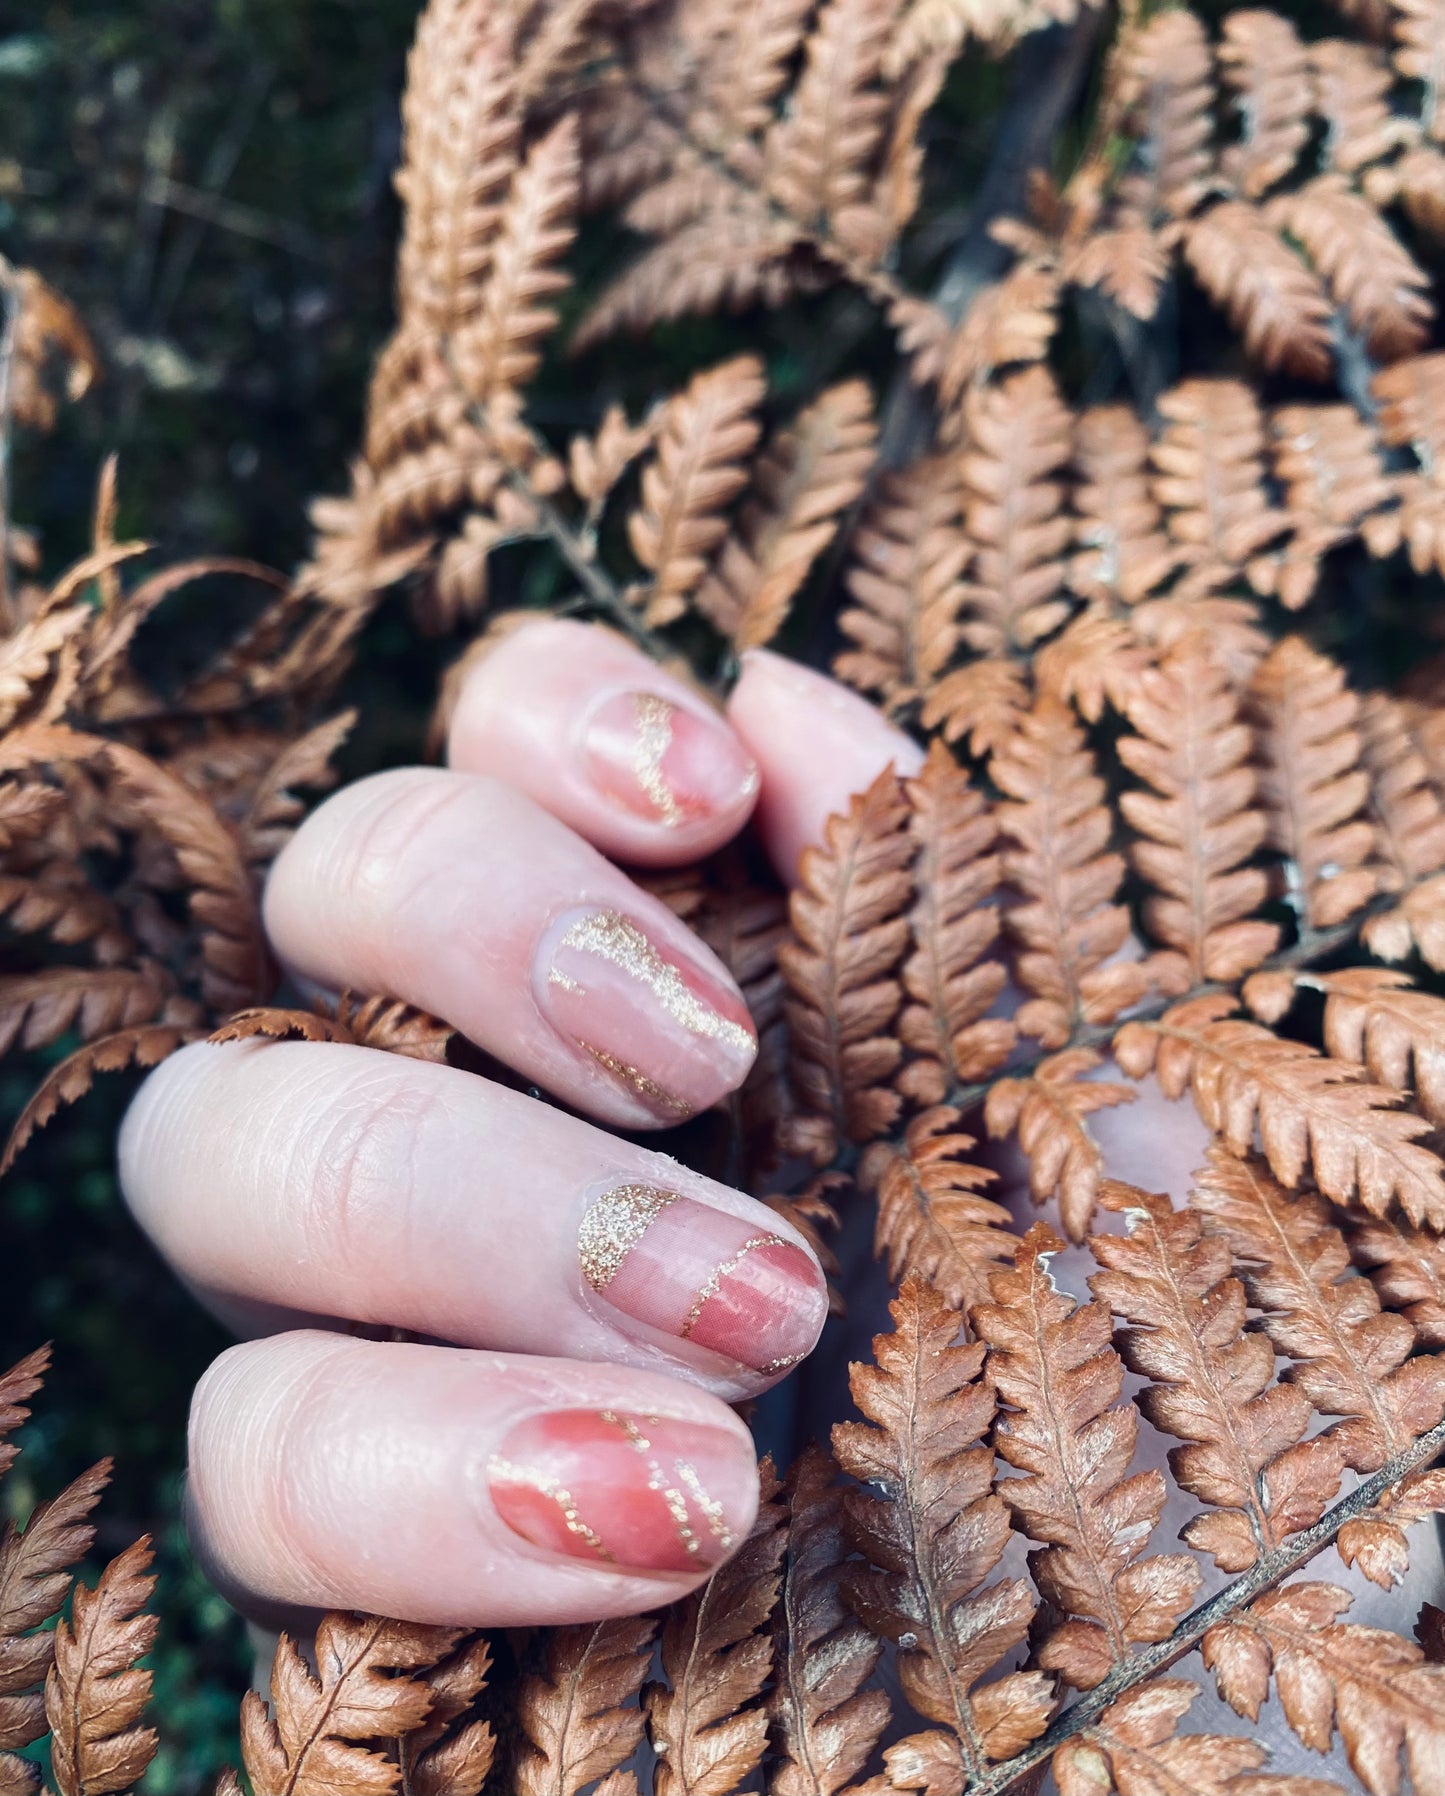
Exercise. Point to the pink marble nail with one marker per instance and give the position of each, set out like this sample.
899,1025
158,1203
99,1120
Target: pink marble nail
666,764
660,1024
644,1493
724,1282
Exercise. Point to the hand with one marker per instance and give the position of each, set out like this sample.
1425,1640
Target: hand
572,1455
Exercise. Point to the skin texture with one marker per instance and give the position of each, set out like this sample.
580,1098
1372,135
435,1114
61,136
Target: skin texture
303,1188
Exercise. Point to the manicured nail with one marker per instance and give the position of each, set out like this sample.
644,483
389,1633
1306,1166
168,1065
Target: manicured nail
664,763
655,1020
639,1492
703,1275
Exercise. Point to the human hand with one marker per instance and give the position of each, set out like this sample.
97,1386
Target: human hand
571,1455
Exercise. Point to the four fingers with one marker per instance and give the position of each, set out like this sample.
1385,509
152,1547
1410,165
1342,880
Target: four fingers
293,1182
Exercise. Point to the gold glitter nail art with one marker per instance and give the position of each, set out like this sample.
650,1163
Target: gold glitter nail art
654,737
612,938
612,1227
675,1500
637,1081
510,1471
709,1289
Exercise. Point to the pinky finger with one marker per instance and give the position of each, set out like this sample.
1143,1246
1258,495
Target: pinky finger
448,1486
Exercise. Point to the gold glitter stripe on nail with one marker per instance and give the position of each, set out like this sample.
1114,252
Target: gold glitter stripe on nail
709,1289
638,1082
657,1480
785,1364
613,1225
548,1486
612,938
654,737
712,1510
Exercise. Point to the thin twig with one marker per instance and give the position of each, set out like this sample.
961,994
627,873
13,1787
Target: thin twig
1263,1576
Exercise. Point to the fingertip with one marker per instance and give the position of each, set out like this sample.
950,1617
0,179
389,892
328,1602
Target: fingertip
816,744
631,756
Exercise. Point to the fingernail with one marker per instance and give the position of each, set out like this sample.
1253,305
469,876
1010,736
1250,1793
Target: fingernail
653,1019
664,763
643,1493
703,1275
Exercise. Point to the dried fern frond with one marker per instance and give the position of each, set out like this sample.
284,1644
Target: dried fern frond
1269,295
579,1713
807,478
1046,1111
932,1537
95,1691
849,916
1313,1113
1267,70
1060,1425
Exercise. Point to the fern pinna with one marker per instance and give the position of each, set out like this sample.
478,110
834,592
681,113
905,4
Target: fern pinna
1167,843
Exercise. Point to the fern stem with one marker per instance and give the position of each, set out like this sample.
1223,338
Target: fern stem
1272,1569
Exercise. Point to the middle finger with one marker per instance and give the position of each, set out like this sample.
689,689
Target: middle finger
541,951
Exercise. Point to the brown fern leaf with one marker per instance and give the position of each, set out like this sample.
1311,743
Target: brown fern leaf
1352,95
1168,87
499,352
272,1024
275,810
1060,1424
1417,922
66,1083
1407,1268
1128,264
933,1528
1376,1687
1012,321
820,153
1314,1114
825,1725
17,1387
933,1223
1419,32
1411,397
37,1008
983,702
807,479
1311,784
1019,436
705,1723
1351,1359
1381,290
1211,481
1268,294
47,336
1212,1381
26,811
35,1580
1417,180
394,1027
1376,1543
1096,659
849,921
1047,1111
1267,69
95,1692
449,1755
1328,460
579,1716
462,132
1067,927
1376,1017
706,436
1200,823
326,1730
1123,553
910,552
949,978
237,968
1135,1747
1404,795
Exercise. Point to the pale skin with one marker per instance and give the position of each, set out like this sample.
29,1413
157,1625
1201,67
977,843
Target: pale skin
566,1450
